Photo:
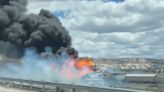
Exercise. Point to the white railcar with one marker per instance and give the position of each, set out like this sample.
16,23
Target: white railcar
141,78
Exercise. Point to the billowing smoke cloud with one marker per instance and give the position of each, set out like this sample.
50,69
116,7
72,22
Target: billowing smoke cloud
34,44
19,30
41,42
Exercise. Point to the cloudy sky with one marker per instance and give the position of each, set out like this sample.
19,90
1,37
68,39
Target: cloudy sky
110,28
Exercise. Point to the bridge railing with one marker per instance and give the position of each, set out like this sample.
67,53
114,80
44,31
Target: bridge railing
58,85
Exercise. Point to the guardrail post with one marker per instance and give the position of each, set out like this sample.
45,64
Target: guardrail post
73,90
43,85
11,84
31,86
57,89
21,84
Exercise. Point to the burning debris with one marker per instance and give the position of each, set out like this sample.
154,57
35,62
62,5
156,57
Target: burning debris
76,68
81,63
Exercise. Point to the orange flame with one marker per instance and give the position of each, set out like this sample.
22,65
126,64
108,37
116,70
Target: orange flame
76,68
83,63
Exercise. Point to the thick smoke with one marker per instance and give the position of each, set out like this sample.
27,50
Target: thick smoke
41,45
19,30
41,42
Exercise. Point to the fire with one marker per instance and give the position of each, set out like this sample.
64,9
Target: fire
76,68
84,63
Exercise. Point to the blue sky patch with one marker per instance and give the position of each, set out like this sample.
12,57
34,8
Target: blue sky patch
62,13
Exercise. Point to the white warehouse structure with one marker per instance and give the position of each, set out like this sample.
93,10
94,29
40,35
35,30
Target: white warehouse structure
141,77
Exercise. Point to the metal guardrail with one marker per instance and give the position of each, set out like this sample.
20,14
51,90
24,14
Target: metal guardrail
74,87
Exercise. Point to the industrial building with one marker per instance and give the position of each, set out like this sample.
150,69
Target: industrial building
146,78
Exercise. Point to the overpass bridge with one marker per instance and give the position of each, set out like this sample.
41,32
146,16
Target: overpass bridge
57,85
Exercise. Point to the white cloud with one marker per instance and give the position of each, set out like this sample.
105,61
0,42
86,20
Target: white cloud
119,44
133,28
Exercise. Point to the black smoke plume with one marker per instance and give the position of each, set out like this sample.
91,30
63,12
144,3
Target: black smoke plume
19,30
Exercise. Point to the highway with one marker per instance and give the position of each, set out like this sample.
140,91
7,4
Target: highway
74,87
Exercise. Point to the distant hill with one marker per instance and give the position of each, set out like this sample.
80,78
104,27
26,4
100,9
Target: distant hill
128,60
